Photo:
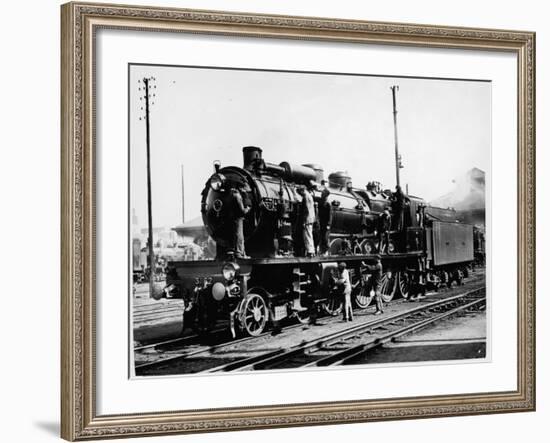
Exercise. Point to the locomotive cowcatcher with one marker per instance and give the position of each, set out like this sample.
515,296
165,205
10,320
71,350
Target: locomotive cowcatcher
424,247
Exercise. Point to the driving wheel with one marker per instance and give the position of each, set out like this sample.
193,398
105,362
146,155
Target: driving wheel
254,314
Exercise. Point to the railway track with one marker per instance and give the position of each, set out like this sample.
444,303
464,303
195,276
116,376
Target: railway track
176,349
167,344
157,315
192,346
348,345
165,308
144,311
340,347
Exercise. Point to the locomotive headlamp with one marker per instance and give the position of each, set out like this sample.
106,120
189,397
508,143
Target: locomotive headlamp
230,271
217,181
218,291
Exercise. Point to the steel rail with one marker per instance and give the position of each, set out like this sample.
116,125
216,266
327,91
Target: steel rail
272,357
173,341
157,310
158,304
162,316
223,329
350,354
209,349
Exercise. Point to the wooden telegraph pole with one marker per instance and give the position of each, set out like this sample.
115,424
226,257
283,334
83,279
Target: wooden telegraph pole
148,95
398,164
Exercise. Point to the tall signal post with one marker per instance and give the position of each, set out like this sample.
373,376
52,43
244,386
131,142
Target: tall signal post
148,87
398,164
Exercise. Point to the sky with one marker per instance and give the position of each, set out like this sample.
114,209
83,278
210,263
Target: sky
342,122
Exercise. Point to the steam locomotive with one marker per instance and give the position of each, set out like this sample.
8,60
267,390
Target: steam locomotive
425,247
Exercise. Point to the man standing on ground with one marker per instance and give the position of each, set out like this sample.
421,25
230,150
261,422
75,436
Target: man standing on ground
343,283
377,272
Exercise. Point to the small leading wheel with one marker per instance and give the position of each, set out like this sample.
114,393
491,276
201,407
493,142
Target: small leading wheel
404,284
388,286
254,314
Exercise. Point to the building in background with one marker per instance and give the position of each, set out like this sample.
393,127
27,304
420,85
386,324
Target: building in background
191,230
162,237
193,233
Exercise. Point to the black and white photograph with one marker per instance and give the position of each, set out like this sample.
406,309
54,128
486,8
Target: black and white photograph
286,220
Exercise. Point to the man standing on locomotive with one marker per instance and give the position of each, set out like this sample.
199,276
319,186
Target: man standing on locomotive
240,211
343,283
306,219
384,226
398,207
325,219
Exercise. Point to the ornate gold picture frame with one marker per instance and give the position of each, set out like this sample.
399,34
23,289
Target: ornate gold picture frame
80,22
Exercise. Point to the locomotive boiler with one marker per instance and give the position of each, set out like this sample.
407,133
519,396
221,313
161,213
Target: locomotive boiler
270,190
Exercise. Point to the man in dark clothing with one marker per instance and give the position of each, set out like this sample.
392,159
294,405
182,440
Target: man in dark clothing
238,235
376,280
280,242
398,207
384,225
325,219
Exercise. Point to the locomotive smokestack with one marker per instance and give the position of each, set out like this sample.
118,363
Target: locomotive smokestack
251,155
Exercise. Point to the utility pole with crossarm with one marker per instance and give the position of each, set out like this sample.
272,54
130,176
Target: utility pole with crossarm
148,96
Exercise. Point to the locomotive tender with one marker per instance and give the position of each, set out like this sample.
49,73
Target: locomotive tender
428,247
